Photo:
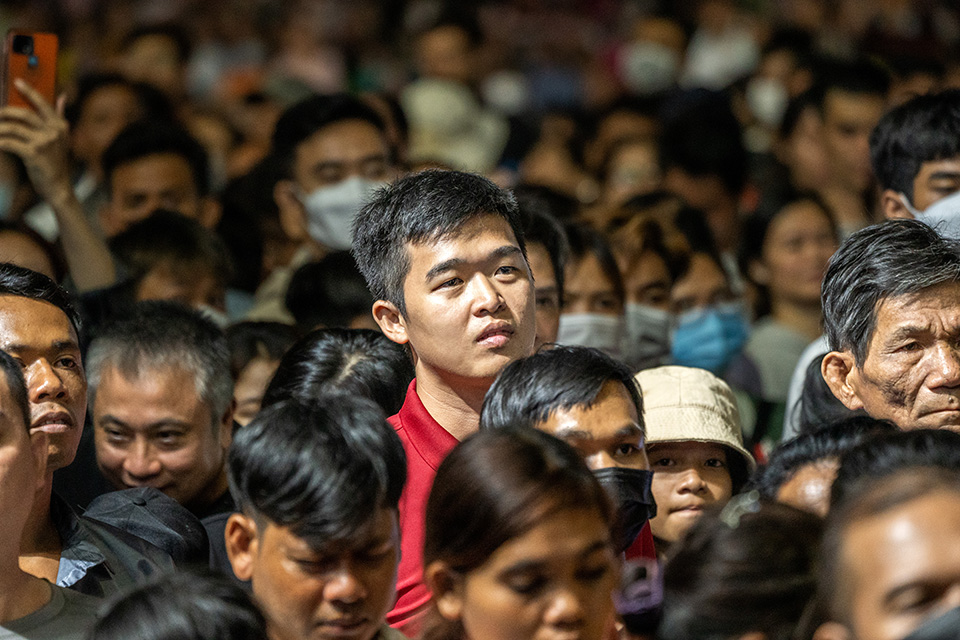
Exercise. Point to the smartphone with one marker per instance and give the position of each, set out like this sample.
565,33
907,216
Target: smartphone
32,57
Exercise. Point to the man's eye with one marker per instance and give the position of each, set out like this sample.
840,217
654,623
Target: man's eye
716,463
507,270
452,282
663,462
627,449
911,346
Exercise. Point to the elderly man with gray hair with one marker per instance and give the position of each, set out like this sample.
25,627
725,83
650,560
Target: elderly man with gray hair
160,392
891,313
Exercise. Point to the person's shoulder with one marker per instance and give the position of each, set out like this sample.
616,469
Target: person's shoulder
68,615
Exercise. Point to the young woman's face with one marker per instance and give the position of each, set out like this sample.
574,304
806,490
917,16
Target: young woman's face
687,478
554,582
588,289
798,245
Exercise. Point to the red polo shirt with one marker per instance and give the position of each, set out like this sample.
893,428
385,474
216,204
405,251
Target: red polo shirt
426,444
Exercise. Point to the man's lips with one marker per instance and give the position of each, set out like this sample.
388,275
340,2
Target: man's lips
688,509
496,334
53,422
347,627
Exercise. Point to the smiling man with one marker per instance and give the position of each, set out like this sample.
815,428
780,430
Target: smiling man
443,254
162,402
39,329
891,313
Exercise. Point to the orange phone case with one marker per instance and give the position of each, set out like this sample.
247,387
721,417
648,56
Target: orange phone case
39,70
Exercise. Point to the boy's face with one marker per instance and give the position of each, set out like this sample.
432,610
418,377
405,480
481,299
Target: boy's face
469,303
340,593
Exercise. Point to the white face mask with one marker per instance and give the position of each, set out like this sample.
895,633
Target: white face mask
595,330
943,215
330,210
646,340
767,99
648,67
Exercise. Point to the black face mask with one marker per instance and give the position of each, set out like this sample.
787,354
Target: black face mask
944,627
631,493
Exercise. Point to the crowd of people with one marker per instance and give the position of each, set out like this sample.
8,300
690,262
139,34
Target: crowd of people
542,320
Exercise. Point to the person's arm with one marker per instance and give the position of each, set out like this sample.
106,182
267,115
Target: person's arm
39,138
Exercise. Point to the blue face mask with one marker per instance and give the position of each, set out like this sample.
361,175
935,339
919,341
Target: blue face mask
709,338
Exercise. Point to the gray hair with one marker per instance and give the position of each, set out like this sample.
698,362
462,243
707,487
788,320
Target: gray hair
886,260
159,335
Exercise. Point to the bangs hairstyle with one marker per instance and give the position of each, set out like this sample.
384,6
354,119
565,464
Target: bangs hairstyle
321,468
528,391
498,484
417,209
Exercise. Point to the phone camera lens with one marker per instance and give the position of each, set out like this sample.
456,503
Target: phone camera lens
23,45
32,62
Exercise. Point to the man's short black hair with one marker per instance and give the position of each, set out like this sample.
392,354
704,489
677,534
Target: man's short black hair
419,208
540,227
330,292
886,260
20,281
16,385
168,237
154,104
311,114
705,140
923,129
321,467
891,453
861,76
151,137
828,442
359,362
528,391
171,31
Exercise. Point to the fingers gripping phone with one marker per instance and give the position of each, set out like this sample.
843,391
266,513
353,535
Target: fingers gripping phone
31,57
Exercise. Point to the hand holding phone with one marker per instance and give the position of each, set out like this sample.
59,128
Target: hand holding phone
32,58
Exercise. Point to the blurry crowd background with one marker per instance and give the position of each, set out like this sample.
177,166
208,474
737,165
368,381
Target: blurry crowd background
705,157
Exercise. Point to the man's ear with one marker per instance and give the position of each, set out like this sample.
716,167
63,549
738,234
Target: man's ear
210,212
446,585
39,443
838,371
832,631
390,321
226,425
892,206
293,217
240,536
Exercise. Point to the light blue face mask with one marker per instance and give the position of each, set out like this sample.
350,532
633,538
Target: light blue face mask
709,338
943,215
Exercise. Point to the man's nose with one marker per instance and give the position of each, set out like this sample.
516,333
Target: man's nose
945,366
487,297
140,463
343,585
44,382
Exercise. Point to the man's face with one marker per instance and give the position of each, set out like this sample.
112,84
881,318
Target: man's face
140,187
911,374
848,119
935,180
469,303
341,593
339,151
607,433
547,294
22,461
902,567
40,337
154,430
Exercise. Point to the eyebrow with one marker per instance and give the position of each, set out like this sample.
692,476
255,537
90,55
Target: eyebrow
442,267
59,345
902,333
533,565
153,426
628,430
944,175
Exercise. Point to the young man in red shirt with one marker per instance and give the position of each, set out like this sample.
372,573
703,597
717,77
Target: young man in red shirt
443,254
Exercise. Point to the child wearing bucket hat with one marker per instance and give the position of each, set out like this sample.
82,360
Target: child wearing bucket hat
695,446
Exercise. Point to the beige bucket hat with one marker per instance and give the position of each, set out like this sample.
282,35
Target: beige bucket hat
683,403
